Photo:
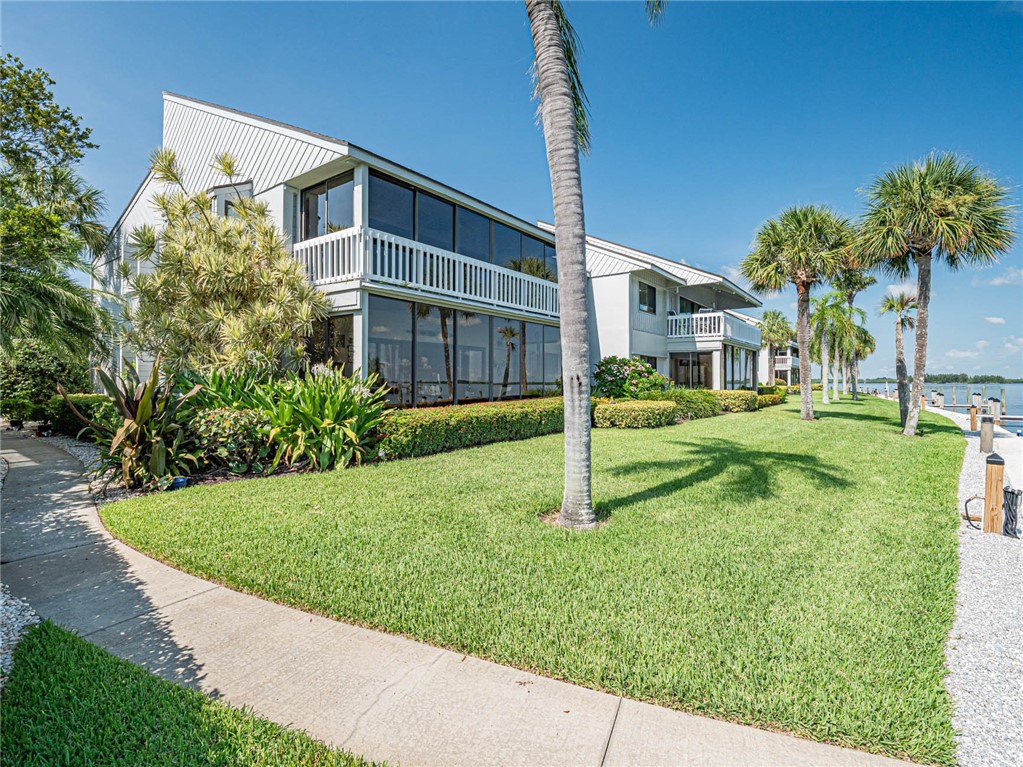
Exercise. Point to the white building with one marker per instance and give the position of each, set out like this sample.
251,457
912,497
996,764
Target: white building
447,297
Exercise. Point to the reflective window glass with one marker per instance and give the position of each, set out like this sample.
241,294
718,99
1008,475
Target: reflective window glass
473,374
390,206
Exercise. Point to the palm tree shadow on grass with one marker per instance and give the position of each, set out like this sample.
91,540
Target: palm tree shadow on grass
925,427
749,474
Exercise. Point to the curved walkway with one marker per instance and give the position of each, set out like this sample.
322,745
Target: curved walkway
382,696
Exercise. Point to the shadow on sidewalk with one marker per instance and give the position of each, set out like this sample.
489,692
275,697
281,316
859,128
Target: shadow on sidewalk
56,555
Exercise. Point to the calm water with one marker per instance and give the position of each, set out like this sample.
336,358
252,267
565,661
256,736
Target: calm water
1012,399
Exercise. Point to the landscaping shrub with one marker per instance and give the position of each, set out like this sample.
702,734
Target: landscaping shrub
795,389
409,433
149,441
780,382
31,371
780,390
622,378
635,414
766,400
237,439
95,407
327,420
736,400
692,403
16,409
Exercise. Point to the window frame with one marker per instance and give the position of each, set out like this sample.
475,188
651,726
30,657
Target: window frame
649,307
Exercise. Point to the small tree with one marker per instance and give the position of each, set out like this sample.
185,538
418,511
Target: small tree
775,331
902,305
31,370
223,291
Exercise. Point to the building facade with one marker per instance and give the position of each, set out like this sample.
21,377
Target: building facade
447,298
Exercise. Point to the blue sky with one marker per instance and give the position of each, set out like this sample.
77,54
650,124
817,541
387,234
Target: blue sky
703,127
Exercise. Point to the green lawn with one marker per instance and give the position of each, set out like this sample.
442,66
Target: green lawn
69,702
754,567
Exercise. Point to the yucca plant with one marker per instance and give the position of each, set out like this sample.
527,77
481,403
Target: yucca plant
152,444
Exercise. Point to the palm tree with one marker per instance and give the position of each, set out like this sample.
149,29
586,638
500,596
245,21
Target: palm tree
563,115
864,345
943,208
57,217
902,305
849,282
804,246
509,334
827,326
775,331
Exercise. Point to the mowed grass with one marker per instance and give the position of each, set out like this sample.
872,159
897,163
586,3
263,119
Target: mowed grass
69,702
754,567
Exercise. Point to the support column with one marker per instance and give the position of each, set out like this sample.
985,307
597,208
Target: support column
716,376
360,201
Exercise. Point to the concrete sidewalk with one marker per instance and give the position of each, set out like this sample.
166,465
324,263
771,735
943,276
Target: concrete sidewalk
382,696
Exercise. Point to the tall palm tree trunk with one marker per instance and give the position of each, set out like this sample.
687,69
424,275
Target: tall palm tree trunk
855,376
824,367
923,299
836,365
901,376
803,342
770,365
559,130
845,376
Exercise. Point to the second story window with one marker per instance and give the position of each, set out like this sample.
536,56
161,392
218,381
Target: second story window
647,298
328,207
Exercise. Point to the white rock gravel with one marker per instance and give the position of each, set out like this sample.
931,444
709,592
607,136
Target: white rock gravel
985,647
15,618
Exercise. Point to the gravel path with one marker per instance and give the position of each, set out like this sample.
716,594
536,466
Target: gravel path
15,618
985,647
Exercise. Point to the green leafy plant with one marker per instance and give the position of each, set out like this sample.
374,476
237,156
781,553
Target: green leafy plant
692,403
635,414
31,369
326,420
237,439
623,378
424,431
94,407
16,409
736,400
151,444
766,400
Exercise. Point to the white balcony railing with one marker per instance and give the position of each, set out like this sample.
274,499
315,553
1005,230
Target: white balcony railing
713,326
375,256
782,362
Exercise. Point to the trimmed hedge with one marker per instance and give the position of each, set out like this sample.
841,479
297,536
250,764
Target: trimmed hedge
766,400
95,407
691,403
781,390
736,400
635,414
424,431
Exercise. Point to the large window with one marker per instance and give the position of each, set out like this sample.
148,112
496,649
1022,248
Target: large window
389,345
431,355
693,370
472,234
551,359
435,221
435,350
507,246
328,207
531,373
506,344
473,344
391,206
647,298
412,213
331,342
